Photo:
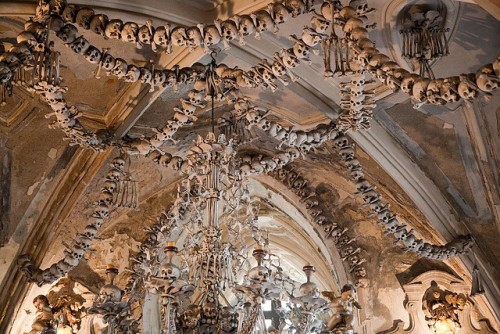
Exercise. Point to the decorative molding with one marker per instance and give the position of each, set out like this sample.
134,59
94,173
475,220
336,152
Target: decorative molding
415,290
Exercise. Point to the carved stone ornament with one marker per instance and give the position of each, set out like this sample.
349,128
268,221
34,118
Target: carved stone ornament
421,293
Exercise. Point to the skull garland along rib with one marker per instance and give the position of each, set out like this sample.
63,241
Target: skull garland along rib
373,201
80,245
162,38
348,250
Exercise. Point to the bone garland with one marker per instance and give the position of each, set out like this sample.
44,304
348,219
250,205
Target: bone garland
424,90
373,200
348,250
79,246
163,37
303,140
128,72
356,106
225,82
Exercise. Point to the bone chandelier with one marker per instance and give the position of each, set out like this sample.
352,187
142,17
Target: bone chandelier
197,300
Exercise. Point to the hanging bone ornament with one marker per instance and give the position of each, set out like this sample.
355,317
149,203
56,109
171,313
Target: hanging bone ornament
113,29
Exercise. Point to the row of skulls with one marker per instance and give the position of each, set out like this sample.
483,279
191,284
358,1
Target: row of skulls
372,199
424,90
164,37
118,67
80,245
298,139
349,251
33,52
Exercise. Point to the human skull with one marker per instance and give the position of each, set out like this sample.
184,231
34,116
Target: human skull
5,73
280,13
319,24
159,78
69,13
93,55
109,293
246,25
67,34
296,7
120,69
108,62
209,312
361,6
258,275
146,33
407,82
434,92
178,36
229,31
113,29
80,45
211,35
129,32
169,272
419,91
289,59
161,37
449,89
486,79
194,37
83,17
191,317
98,24
133,73
309,289
262,21
466,88
145,75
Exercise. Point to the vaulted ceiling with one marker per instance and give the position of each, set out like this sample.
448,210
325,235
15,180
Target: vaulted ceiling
437,165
